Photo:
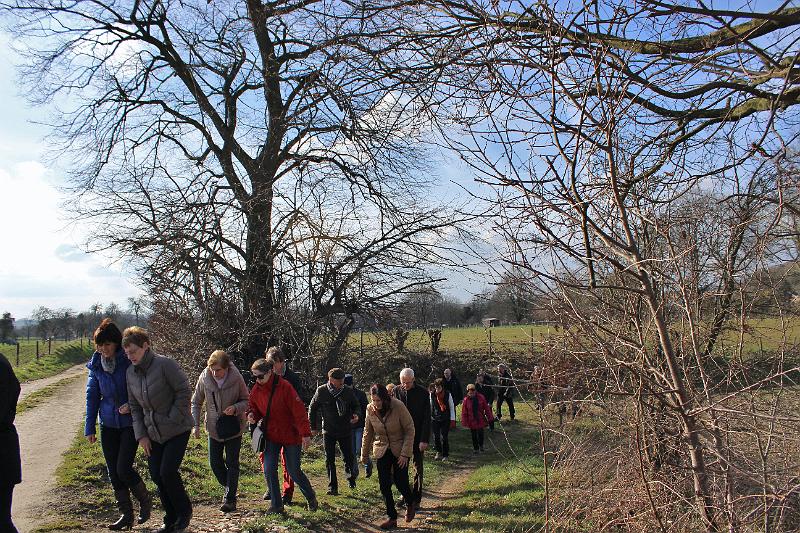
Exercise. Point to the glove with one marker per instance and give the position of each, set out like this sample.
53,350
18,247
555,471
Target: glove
452,424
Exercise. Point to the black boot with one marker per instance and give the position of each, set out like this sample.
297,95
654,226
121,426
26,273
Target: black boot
145,501
126,508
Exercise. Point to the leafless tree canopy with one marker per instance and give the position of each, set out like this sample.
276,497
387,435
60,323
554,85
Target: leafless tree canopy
639,157
242,154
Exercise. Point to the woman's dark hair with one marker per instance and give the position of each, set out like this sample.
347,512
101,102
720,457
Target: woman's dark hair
107,331
438,382
386,400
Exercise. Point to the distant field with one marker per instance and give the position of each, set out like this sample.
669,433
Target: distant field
503,338
769,334
27,349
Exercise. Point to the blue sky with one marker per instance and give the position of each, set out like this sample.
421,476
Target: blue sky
42,261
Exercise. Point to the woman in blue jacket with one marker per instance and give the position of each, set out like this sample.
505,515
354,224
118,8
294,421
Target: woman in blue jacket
107,394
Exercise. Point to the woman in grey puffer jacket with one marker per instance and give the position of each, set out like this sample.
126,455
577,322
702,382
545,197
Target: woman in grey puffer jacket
159,395
222,388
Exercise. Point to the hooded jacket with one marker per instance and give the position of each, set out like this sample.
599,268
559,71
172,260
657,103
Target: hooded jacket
106,393
393,432
159,395
288,421
232,393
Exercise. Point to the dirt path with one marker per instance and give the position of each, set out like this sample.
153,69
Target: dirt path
32,386
45,433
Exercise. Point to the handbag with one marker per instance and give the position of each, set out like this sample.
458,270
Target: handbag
258,437
227,425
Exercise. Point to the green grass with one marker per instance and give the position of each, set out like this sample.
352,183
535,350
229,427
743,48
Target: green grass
63,357
27,349
35,398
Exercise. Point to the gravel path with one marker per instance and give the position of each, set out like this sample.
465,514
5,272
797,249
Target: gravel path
45,433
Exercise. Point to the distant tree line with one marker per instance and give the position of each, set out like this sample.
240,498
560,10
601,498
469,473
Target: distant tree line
66,323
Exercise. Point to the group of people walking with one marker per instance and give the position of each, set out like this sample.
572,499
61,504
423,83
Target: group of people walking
145,400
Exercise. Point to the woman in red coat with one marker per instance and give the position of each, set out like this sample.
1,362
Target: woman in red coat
475,415
276,407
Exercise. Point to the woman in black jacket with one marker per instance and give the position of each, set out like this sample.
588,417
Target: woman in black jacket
10,462
443,418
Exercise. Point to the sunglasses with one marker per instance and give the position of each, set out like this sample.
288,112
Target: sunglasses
259,376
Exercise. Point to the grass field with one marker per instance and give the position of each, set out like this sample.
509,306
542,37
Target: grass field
27,349
62,358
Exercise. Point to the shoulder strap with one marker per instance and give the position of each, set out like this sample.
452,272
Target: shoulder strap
265,420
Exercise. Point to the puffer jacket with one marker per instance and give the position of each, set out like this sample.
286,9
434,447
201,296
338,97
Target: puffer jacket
394,432
232,393
159,395
106,393
472,419
288,420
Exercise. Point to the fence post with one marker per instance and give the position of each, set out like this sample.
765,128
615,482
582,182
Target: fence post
490,341
532,343
49,345
81,342
361,346
17,353
37,350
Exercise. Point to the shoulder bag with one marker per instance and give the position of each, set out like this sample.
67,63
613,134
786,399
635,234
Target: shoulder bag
258,438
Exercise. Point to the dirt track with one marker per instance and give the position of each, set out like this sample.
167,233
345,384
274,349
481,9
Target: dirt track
45,433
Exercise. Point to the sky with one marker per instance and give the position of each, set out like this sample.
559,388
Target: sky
42,262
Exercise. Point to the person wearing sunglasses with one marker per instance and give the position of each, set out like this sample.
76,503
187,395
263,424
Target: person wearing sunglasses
276,407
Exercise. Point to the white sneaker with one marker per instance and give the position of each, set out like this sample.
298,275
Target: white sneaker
436,457
444,459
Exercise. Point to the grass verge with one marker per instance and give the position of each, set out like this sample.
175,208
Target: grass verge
49,365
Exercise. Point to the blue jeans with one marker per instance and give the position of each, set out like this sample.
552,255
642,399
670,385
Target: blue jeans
358,436
292,453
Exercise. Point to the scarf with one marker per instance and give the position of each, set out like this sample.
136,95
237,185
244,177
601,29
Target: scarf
440,401
108,364
341,406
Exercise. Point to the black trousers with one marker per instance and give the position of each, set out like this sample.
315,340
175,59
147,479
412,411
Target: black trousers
389,473
441,436
477,438
6,525
119,450
164,464
509,400
223,456
345,443
416,487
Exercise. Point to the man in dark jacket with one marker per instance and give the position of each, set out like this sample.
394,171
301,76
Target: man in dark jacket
339,409
483,385
505,390
358,427
10,462
453,385
417,401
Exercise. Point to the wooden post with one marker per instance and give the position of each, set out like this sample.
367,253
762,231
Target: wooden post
17,353
37,350
490,341
49,345
361,346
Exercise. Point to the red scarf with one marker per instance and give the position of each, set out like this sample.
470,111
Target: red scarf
440,401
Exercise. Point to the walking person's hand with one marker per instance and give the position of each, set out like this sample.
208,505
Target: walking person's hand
146,445
124,409
91,438
251,418
306,442
230,411
402,461
196,432
423,446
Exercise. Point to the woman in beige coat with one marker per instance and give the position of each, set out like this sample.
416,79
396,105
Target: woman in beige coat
222,388
389,433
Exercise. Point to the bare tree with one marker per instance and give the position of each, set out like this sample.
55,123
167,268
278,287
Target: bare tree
631,149
243,154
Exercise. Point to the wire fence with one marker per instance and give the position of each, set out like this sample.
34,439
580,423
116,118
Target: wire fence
27,350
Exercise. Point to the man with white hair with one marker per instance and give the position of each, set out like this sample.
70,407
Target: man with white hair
417,402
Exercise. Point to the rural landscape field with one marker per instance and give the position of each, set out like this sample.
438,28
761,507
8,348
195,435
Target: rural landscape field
556,245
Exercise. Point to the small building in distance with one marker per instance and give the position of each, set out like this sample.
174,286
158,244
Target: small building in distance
490,322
